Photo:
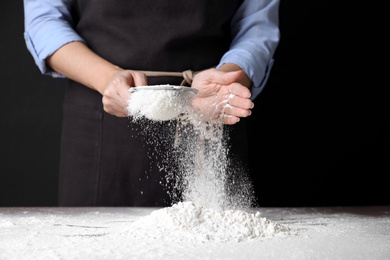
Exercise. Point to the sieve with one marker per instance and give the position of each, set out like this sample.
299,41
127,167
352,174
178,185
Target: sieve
164,87
160,102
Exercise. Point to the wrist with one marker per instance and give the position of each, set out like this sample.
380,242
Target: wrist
106,76
227,67
76,61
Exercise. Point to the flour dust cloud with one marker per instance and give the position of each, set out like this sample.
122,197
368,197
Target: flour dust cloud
211,193
198,165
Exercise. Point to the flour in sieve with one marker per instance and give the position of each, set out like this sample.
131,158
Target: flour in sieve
158,104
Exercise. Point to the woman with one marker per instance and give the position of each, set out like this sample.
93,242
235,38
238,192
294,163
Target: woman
103,47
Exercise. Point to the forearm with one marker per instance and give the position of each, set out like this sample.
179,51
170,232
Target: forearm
227,67
77,62
255,36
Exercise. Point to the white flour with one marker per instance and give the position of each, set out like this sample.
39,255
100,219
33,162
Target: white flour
358,233
212,193
158,105
186,222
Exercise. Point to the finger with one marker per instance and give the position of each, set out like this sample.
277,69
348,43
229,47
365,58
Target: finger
120,113
239,90
230,120
116,97
139,79
236,111
122,91
118,88
225,78
113,108
237,101
118,110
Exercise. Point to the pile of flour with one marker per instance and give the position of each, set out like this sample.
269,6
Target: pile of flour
212,194
184,221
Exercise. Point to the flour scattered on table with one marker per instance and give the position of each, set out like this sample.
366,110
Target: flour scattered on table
6,223
185,221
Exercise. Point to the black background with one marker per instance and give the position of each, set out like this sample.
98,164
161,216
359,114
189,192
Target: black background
319,130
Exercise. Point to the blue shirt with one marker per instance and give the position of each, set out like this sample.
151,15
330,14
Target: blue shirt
255,31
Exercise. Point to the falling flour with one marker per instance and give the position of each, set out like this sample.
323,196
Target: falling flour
212,194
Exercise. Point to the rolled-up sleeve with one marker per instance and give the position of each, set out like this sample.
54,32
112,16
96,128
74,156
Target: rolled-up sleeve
48,26
255,32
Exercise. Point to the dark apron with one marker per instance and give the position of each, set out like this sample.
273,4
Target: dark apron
104,159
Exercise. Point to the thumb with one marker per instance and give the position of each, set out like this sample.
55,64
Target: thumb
227,78
139,78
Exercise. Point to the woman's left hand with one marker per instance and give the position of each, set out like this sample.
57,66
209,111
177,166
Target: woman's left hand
221,94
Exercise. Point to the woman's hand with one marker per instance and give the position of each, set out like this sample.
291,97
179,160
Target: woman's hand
221,94
116,94
77,62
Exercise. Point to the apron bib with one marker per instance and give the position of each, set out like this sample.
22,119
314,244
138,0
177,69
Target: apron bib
104,159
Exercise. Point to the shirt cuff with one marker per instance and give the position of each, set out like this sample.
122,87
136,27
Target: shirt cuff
258,71
49,43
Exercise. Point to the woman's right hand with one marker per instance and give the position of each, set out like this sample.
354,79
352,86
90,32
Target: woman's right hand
116,94
76,61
